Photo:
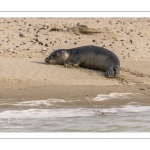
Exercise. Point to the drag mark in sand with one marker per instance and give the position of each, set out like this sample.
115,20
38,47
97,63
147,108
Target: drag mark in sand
129,76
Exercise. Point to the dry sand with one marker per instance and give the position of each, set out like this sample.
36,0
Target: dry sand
24,74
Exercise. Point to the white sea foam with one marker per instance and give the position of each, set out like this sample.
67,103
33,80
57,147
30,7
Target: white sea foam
135,108
44,113
51,101
102,97
34,103
75,112
127,108
47,102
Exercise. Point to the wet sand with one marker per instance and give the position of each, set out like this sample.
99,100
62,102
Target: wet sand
80,96
26,42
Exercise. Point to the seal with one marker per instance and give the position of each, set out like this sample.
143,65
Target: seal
92,57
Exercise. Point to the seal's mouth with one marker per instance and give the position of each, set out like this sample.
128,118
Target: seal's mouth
49,61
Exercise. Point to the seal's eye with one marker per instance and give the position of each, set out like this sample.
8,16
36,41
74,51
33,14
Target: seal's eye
58,54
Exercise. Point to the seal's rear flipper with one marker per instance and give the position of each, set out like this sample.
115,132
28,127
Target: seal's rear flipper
110,72
117,70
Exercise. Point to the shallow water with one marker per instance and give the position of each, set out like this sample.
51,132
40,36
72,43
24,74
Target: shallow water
40,116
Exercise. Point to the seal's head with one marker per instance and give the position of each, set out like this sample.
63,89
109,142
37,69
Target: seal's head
58,57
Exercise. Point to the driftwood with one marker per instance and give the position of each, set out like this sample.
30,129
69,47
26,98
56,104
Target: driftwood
83,29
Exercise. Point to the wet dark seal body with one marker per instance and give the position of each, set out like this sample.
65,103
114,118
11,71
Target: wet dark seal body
92,57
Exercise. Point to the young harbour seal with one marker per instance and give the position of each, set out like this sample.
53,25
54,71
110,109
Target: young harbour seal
92,57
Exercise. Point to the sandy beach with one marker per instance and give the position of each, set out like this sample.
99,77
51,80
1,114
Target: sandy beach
26,42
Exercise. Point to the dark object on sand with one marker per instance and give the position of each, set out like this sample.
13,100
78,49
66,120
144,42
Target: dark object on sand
92,57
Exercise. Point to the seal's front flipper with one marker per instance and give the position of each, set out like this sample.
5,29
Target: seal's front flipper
110,72
71,65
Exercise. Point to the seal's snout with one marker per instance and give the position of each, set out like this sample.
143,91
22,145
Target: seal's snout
46,60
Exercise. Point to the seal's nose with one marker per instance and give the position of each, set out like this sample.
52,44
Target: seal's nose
46,60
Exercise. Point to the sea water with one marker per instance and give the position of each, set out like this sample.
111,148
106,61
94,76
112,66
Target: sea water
39,116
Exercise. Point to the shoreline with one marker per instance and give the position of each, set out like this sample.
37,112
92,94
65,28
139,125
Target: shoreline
85,94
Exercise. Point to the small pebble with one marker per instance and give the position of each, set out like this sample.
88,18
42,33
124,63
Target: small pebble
131,41
40,43
21,35
142,89
37,40
8,50
44,49
46,45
